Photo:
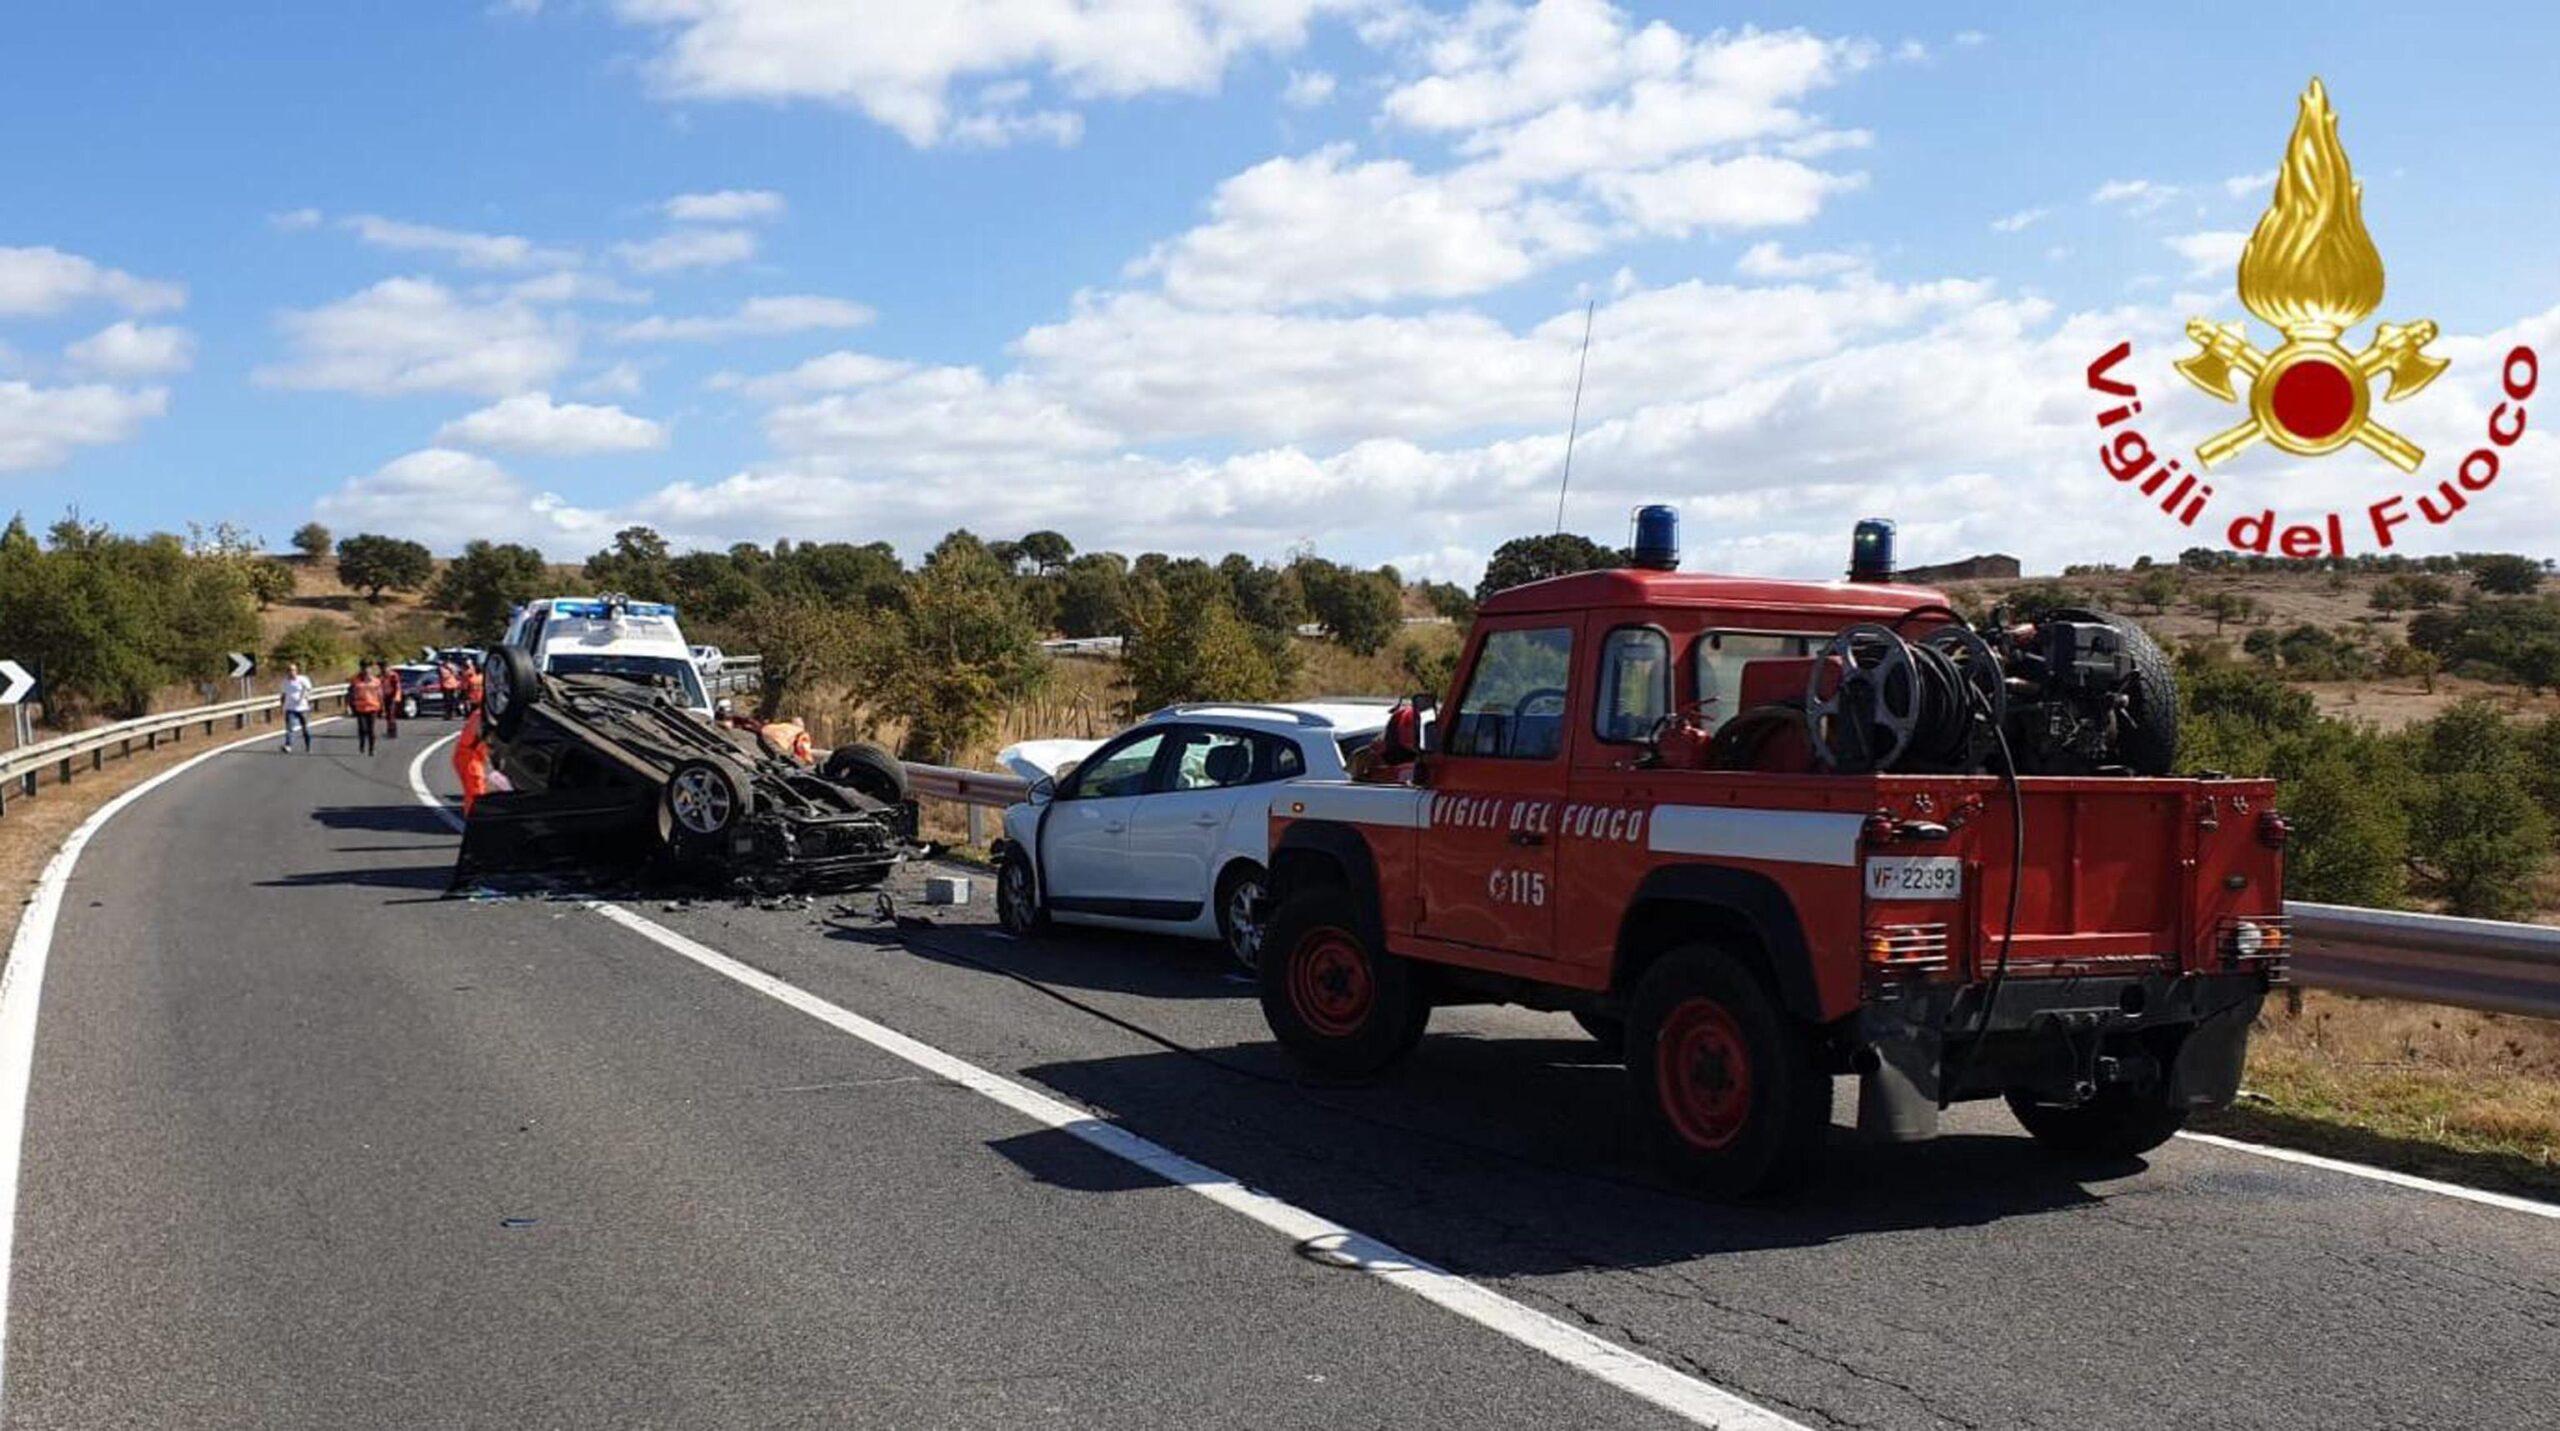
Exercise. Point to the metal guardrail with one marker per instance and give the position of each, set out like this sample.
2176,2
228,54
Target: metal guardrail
736,673
21,769
2484,964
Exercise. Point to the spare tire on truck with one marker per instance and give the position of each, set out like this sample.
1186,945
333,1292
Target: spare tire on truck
2148,742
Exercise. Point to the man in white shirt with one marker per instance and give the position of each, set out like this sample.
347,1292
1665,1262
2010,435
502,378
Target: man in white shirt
296,696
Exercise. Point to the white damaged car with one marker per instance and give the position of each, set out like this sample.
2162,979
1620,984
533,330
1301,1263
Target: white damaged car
1166,826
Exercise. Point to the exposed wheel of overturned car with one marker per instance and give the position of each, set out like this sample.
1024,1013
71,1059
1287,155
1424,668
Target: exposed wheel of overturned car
704,801
512,687
868,768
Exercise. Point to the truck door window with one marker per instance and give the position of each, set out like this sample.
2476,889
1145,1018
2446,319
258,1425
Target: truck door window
1635,684
1724,658
1515,700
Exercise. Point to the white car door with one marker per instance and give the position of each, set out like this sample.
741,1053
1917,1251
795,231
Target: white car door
1084,834
1182,829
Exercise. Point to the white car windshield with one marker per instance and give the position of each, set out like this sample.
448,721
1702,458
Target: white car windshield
640,670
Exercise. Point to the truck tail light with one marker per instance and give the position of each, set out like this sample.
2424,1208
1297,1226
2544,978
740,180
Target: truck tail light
2261,941
2273,830
1906,948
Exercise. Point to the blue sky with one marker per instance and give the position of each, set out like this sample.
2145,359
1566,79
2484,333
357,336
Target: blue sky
1205,274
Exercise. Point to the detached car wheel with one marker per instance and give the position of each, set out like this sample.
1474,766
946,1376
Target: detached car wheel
1337,1002
869,769
2118,1123
1726,1085
1018,910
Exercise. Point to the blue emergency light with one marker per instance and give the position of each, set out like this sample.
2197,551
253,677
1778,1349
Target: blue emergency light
1871,550
1657,543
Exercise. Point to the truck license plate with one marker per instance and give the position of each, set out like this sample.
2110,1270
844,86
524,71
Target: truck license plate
1915,877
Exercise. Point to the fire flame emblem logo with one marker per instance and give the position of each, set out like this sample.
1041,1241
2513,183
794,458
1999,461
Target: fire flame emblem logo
2311,271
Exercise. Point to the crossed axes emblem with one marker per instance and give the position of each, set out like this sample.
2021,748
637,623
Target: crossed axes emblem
2292,414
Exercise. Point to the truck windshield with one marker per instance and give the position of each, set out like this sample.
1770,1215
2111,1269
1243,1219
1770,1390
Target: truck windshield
639,670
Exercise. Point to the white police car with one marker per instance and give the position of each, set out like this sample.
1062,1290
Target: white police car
636,641
1166,826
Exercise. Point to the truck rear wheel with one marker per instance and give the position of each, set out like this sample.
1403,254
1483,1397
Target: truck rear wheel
1725,1083
1336,1001
2119,1122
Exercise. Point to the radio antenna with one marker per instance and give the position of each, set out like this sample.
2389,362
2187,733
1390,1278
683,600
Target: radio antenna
1575,426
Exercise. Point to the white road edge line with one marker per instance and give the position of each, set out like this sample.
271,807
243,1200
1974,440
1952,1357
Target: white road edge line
1700,1402
2509,1201
22,997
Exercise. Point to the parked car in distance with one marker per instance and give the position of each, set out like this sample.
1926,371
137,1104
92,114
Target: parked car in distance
1165,827
420,695
635,641
708,660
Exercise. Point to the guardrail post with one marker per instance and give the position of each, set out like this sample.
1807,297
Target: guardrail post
98,758
977,826
66,771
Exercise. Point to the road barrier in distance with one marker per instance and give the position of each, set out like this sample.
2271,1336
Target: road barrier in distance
23,768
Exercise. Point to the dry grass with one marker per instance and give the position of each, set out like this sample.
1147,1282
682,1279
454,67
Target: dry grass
2468,1097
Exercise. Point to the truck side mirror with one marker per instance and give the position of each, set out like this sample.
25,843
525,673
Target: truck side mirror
1401,741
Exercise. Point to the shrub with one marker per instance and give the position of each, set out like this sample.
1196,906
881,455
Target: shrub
318,646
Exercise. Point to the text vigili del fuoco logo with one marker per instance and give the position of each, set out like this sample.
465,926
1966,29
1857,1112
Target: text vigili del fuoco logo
2311,272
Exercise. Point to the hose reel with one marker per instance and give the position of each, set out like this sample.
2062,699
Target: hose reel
1874,701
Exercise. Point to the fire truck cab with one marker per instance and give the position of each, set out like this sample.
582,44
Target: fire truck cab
1635,807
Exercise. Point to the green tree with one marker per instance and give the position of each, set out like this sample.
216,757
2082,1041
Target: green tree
1094,597
312,540
481,588
1526,559
374,564
802,643
1045,550
1190,645
2504,574
318,646
2476,829
1361,610
636,565
711,586
270,582
949,658
1449,599
2156,587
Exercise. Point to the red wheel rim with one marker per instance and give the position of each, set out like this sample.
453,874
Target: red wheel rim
1329,982
1702,1072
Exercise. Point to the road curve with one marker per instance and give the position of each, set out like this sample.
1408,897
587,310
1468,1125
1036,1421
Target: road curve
307,1144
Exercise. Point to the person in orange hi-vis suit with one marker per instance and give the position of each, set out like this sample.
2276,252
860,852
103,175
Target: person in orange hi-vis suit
471,762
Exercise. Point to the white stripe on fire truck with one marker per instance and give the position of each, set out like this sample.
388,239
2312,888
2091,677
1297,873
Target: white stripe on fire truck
1398,806
1805,837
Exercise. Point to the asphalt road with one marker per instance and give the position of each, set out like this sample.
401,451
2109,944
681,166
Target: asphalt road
309,1145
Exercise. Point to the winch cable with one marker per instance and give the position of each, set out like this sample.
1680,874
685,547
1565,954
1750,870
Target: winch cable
906,930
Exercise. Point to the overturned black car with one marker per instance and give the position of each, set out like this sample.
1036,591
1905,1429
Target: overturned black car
603,772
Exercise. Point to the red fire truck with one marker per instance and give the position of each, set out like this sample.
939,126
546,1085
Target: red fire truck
1763,833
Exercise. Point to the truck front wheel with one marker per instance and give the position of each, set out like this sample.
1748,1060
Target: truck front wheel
1337,1002
1726,1085
2119,1122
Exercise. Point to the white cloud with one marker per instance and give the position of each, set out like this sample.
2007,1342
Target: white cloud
620,380
2243,185
689,248
828,372
446,498
1750,192
532,422
294,221
130,350
1768,260
39,281
1326,229
2139,196
726,206
756,317
1308,89
942,420
471,250
41,427
2214,252
1571,130
2014,223
897,61
408,335
570,285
